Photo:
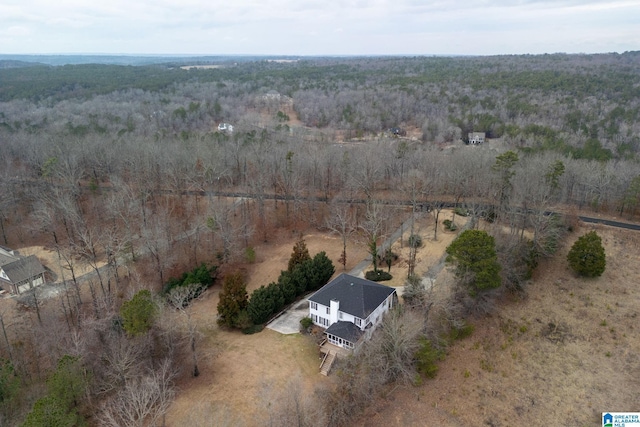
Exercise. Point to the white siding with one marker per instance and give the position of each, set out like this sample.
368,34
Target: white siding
319,315
322,316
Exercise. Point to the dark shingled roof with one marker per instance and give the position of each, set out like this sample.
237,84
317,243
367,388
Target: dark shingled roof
345,330
23,269
358,297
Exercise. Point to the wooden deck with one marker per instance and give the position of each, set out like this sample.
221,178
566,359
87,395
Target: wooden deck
331,353
327,347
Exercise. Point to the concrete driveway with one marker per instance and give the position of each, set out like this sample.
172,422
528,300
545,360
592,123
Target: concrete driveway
288,322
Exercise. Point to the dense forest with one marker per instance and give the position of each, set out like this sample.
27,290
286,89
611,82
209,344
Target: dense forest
114,163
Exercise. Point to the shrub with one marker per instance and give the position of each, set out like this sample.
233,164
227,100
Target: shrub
250,254
415,241
306,323
449,225
427,357
378,276
253,329
461,332
587,257
243,321
201,274
461,211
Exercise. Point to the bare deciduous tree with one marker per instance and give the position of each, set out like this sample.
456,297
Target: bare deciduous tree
179,298
143,401
341,221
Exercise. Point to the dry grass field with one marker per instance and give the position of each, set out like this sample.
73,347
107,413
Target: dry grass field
568,352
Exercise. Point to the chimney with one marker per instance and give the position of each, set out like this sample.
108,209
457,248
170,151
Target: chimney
333,313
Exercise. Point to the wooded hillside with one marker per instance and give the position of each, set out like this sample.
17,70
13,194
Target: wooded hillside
124,166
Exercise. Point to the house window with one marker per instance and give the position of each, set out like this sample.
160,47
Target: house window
340,314
358,321
328,310
314,305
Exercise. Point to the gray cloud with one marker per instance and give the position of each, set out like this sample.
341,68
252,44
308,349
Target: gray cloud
312,27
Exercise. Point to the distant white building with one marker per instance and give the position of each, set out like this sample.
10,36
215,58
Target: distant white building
19,273
476,138
225,127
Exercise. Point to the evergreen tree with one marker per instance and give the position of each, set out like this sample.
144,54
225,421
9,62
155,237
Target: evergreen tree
587,257
51,411
474,253
323,269
138,313
66,388
233,299
299,255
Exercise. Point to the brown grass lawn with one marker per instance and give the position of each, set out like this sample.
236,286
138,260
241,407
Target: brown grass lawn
239,373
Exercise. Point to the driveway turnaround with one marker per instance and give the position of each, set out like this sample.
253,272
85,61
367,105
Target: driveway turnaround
288,322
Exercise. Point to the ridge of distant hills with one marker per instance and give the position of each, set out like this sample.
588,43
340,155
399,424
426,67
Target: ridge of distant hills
17,61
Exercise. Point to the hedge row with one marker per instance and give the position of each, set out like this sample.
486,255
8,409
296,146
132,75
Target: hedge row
308,276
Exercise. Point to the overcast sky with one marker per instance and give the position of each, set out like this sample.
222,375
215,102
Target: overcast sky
318,27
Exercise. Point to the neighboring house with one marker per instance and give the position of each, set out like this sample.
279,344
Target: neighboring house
19,273
398,132
225,127
476,138
350,308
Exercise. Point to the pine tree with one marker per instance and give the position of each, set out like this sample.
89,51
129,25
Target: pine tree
587,257
299,255
233,299
138,313
474,253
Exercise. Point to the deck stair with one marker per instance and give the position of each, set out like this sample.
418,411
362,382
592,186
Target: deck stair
327,362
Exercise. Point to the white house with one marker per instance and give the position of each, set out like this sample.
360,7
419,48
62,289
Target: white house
476,138
350,308
225,127
19,273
